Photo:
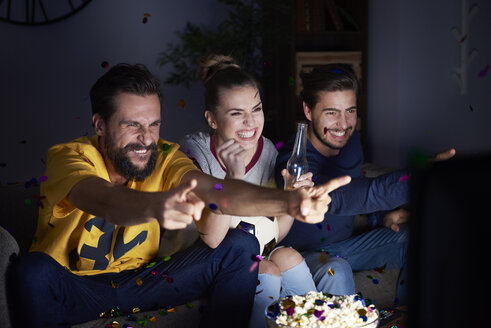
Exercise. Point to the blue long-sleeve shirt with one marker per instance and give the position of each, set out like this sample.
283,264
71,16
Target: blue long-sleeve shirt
361,196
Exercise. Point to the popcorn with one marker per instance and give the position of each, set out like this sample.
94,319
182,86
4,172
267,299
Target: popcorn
317,310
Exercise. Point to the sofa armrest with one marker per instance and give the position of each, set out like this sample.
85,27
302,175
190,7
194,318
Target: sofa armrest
8,249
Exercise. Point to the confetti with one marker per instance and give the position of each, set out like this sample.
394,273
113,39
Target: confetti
189,305
323,258
337,71
104,64
218,186
213,207
114,284
253,266
27,202
166,147
151,264
136,310
381,269
330,272
404,178
463,38
155,272
153,319
43,178
328,227
170,280
167,258
291,81
139,281
182,104
145,18
279,145
258,258
484,71
375,281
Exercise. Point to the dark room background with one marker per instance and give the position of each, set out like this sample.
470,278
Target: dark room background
413,103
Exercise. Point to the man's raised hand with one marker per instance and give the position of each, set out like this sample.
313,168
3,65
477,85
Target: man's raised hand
310,204
180,206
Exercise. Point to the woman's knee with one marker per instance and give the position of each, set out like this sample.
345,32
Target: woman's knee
286,258
269,267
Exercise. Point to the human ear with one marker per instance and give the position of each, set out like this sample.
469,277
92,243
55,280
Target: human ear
307,111
99,125
210,118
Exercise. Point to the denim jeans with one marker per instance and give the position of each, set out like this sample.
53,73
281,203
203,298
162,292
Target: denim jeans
333,273
44,294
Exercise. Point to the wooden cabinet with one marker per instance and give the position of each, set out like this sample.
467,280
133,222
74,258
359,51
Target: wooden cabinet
294,38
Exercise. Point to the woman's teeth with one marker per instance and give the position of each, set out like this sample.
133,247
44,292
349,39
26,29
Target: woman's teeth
247,134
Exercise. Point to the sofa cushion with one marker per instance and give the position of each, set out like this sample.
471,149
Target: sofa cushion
19,205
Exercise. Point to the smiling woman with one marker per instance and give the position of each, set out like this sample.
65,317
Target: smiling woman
236,149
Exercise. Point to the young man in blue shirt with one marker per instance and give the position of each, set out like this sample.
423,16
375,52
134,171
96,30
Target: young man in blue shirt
329,101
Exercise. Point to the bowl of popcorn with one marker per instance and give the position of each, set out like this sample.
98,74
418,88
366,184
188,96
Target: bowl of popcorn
320,310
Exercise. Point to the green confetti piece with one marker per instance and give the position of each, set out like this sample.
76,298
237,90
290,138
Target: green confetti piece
189,305
151,264
167,258
27,202
166,147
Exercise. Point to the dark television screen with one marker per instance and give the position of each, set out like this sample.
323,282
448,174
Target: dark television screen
449,242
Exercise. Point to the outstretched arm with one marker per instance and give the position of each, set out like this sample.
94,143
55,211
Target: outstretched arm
237,197
173,209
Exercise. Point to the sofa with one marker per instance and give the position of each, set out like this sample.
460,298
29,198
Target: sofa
19,204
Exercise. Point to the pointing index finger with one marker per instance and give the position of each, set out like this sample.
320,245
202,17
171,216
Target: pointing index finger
335,183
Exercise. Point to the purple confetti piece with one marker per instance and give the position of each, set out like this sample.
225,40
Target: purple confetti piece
318,313
218,186
484,71
290,311
404,178
43,178
279,144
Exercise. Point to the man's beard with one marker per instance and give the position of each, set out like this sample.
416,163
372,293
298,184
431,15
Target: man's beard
122,163
320,136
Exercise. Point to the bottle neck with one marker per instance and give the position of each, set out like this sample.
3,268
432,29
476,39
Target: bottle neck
300,140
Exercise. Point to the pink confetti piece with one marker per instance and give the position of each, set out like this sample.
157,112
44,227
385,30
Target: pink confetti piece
404,178
253,266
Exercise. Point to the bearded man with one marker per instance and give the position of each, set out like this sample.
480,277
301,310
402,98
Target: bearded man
109,196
